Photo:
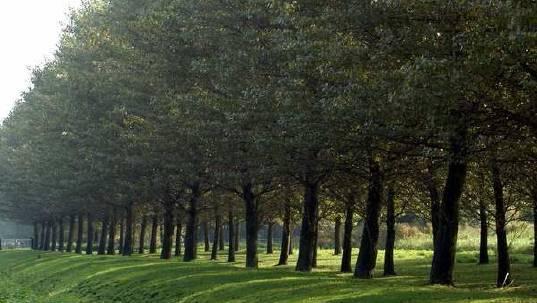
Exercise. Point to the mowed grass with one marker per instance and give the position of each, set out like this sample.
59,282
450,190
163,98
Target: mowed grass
27,276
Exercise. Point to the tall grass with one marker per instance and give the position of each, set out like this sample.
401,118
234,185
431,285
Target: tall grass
415,237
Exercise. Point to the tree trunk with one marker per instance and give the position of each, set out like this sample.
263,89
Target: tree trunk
251,226
231,237
54,228
308,232
167,237
153,239
111,249
389,265
104,234
191,242
315,246
71,233
217,234
36,239
161,233
221,243
43,232
270,249
286,234
141,245
291,241
367,256
127,246
90,234
337,236
96,235
206,236
446,243
504,277
80,233
47,236
237,236
347,236
178,233
121,243
61,236
483,241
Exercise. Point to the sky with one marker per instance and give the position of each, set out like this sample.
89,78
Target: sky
29,33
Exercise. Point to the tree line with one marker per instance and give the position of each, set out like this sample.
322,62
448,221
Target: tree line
181,112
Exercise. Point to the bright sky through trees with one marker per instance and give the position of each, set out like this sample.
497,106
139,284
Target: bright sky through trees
29,32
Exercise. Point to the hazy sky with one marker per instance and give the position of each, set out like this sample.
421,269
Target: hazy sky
29,33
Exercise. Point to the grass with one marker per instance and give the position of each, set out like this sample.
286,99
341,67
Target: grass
520,238
27,276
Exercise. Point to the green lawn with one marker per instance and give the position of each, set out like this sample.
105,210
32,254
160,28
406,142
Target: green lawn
27,276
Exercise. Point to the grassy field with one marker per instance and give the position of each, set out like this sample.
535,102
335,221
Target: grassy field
27,276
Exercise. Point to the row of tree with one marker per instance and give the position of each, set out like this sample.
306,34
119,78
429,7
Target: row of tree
192,111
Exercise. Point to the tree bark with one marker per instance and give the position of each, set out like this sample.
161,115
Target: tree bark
367,256
207,246
270,249
178,233
291,242
347,235
43,233
237,236
96,235
251,226
36,239
337,236
231,236
191,242
127,246
483,241
446,244
104,234
389,265
71,233
153,239
111,249
216,237
315,246
47,235
141,244
221,244
504,277
121,243
161,233
286,234
54,228
61,236
167,237
80,233
308,232
90,234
